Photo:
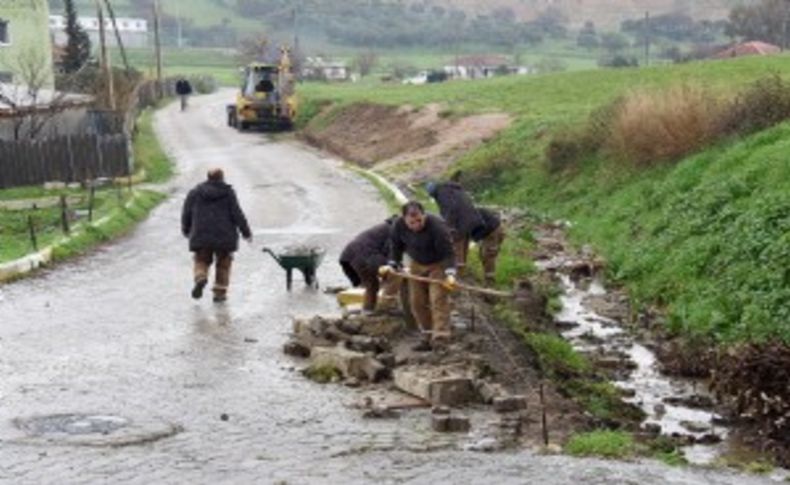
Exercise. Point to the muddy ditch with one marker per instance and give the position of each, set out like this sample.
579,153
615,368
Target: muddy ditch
659,375
482,388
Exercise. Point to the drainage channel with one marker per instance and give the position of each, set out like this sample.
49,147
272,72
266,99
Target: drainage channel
661,398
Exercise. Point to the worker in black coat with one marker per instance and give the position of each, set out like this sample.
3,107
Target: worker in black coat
361,260
212,220
460,214
489,238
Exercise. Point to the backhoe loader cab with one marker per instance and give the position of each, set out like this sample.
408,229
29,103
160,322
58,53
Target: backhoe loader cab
266,98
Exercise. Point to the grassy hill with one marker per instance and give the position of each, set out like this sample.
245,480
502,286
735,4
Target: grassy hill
605,13
706,238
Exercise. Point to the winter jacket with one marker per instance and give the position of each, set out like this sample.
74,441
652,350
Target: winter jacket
183,88
432,245
370,248
212,218
457,209
491,221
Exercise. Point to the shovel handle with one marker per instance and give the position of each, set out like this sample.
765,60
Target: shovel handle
460,286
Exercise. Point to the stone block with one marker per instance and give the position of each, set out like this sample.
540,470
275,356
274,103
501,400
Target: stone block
509,404
444,423
439,386
349,363
296,348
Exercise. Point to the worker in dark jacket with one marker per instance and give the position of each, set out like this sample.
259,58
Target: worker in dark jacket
183,90
489,238
361,260
426,239
460,213
212,219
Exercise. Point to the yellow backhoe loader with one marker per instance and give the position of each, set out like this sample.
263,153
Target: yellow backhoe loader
267,98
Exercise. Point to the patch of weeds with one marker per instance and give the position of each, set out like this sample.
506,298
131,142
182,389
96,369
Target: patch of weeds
556,355
148,151
514,260
323,374
758,467
605,444
602,400
446,113
666,450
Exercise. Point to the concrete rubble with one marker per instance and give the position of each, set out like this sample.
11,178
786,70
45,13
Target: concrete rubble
364,351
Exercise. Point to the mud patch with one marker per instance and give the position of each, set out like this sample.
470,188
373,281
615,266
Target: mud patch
407,144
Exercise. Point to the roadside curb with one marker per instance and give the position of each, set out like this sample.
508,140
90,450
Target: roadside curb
381,183
18,268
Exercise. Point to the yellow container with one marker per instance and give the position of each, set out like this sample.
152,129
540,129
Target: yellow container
353,296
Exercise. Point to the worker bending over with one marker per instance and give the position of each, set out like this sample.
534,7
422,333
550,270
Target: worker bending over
361,260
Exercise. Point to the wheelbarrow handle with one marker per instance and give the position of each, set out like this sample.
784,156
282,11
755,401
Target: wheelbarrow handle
273,255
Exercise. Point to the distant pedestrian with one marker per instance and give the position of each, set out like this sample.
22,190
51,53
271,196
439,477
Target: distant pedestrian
489,238
212,219
426,240
361,260
459,212
183,90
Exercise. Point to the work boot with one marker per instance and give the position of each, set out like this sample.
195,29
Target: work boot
424,345
440,345
197,291
220,297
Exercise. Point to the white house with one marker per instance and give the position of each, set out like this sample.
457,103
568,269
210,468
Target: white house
320,68
133,31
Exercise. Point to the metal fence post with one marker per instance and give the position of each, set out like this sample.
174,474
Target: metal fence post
32,229
64,216
91,198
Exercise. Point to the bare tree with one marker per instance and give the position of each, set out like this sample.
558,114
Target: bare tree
29,104
365,63
254,49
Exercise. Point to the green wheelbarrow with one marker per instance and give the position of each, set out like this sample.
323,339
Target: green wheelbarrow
306,260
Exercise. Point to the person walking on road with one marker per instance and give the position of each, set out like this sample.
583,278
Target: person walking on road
427,241
489,238
212,219
361,260
183,90
458,210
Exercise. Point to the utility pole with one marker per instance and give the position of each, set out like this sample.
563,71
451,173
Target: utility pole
118,38
295,15
647,38
105,58
158,50
179,29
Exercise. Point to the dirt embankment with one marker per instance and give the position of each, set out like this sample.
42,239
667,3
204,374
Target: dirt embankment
404,143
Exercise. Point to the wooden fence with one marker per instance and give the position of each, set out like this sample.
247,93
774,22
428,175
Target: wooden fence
64,159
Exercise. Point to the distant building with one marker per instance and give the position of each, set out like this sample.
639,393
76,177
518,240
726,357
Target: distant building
482,67
753,48
24,42
323,69
133,31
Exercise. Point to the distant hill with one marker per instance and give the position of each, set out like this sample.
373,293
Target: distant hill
605,13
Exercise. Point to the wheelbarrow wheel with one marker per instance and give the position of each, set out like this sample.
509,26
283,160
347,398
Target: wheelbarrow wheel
310,278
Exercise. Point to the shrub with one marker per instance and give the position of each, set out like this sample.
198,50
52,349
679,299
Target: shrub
762,105
662,126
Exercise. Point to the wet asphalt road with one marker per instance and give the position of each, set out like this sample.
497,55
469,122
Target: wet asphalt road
116,334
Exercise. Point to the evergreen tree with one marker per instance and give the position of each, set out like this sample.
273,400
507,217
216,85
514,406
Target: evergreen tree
78,46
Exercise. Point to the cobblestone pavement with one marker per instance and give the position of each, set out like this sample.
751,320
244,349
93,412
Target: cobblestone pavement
115,334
